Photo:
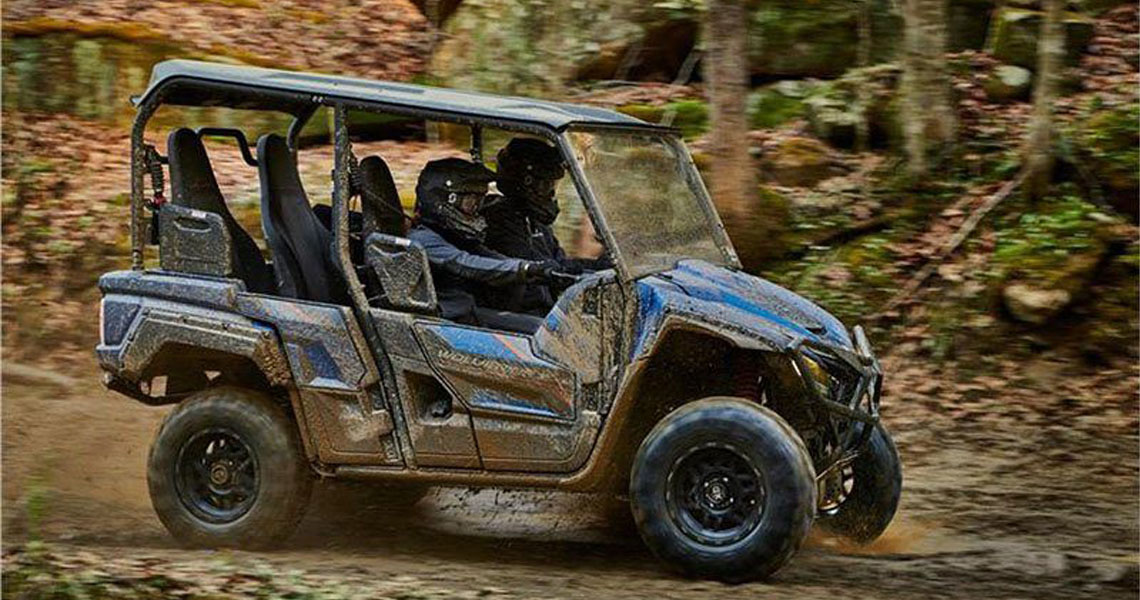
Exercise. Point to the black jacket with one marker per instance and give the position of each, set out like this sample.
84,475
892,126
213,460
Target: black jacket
512,232
462,271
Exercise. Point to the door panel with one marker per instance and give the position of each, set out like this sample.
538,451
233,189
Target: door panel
496,371
438,426
532,399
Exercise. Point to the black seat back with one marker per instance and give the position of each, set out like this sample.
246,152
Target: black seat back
301,245
193,185
379,200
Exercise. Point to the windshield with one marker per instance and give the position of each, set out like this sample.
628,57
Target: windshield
651,199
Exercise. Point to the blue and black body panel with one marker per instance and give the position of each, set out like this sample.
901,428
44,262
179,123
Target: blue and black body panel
157,324
755,314
751,309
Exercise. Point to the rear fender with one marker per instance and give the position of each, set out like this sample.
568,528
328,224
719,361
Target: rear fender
146,317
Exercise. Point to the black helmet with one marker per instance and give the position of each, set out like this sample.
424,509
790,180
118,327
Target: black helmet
450,195
529,169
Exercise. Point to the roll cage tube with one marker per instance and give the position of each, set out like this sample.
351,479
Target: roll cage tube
146,109
303,105
237,134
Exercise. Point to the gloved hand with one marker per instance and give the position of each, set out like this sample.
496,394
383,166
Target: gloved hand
549,272
603,262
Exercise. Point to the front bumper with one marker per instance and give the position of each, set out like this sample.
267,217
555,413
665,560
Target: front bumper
850,396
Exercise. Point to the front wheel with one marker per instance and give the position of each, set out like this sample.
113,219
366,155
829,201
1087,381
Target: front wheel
226,469
723,488
866,491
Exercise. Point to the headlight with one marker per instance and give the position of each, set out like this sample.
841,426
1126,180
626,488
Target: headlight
818,376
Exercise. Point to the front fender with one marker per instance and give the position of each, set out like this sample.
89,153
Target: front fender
661,309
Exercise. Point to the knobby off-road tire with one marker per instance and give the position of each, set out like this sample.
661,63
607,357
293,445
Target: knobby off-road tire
876,484
227,470
724,489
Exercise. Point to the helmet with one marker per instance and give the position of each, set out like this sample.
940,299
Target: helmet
450,195
529,169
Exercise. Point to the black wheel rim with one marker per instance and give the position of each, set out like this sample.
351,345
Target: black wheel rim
715,495
835,489
216,476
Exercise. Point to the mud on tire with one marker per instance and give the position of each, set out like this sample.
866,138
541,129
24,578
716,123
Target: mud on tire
724,489
226,469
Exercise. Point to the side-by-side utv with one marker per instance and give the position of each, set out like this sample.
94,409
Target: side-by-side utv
732,413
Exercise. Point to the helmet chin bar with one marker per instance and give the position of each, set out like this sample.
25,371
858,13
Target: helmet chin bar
471,227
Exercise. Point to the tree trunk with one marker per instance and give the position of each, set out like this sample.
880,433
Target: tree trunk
1039,142
929,122
863,91
732,175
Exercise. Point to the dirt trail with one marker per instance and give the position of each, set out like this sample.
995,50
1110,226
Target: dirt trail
998,502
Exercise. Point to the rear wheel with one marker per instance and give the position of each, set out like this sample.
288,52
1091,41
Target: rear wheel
226,469
723,488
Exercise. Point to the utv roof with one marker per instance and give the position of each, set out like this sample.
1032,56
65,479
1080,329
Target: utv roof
197,83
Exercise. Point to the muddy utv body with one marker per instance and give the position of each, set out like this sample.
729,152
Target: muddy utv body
731,412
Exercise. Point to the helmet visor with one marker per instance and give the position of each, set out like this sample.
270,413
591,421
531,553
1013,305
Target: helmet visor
468,203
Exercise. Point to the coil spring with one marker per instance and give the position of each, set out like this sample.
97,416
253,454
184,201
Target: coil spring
746,377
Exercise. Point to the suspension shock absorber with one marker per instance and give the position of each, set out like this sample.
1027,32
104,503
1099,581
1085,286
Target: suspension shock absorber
746,376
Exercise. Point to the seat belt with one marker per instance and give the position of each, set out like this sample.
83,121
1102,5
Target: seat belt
154,162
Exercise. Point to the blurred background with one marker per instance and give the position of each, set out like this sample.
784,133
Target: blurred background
960,176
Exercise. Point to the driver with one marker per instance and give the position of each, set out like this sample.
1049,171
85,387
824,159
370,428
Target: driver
520,225
450,227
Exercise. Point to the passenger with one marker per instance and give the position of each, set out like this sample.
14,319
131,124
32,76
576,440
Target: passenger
520,225
450,227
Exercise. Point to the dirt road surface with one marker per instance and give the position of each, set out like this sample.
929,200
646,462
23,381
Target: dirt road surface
1009,492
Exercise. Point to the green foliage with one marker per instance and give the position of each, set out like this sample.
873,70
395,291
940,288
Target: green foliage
1040,240
690,116
851,280
777,104
35,506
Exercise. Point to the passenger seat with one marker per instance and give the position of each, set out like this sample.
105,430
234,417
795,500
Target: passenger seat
193,185
301,245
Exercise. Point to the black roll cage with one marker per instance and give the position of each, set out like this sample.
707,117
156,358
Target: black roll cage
188,91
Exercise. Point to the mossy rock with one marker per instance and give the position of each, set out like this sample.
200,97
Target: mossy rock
832,109
774,105
1013,36
817,38
690,116
520,46
967,24
1107,140
798,161
1008,83
851,280
1047,257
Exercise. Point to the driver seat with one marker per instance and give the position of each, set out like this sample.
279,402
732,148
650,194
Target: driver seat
379,200
302,247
